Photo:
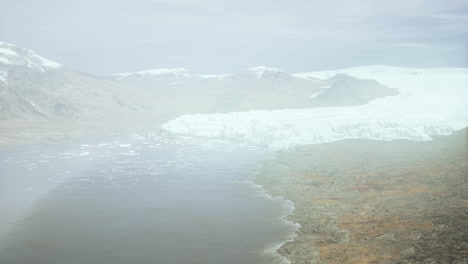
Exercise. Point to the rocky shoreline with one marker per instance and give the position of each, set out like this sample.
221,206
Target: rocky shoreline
364,201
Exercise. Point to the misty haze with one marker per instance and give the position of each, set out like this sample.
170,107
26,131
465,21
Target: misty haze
220,131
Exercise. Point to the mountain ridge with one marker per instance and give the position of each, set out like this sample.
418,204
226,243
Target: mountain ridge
36,90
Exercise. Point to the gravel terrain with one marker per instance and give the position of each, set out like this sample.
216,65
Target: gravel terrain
364,201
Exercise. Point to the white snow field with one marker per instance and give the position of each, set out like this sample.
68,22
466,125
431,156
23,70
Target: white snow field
431,102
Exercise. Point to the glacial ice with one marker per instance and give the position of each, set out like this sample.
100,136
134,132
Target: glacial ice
431,102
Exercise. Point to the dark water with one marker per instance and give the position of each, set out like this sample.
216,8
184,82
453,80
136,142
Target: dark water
155,199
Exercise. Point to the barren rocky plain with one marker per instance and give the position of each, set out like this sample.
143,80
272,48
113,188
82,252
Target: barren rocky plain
364,201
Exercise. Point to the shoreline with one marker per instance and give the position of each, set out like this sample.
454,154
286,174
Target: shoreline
365,201
288,208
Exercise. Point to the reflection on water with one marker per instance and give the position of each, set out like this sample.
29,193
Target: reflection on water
155,199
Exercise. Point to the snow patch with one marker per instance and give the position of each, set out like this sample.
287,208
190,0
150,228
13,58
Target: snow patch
3,76
7,52
31,103
5,61
213,76
316,94
47,63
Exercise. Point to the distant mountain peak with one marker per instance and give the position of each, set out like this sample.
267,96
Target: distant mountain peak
170,72
261,71
13,55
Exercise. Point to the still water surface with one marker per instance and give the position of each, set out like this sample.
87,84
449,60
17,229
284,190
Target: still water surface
152,199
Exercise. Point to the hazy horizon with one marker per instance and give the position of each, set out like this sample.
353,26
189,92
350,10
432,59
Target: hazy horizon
216,37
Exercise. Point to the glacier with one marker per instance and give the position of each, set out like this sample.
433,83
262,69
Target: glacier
430,102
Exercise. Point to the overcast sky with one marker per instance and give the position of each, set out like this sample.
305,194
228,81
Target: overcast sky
226,36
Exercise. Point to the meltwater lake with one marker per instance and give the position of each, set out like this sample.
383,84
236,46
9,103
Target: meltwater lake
138,199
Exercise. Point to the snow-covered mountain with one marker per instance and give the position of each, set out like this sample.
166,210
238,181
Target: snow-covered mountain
34,88
11,56
430,102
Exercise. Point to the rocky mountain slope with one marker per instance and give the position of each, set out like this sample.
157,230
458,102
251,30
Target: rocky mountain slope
258,88
35,88
345,90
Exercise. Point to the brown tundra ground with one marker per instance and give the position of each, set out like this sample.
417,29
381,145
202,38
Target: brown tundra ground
364,201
